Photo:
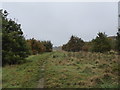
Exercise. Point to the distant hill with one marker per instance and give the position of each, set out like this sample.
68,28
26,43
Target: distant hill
57,48
112,37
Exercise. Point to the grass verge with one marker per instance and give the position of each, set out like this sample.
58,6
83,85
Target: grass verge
25,75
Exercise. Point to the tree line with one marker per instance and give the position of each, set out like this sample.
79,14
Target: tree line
101,44
15,48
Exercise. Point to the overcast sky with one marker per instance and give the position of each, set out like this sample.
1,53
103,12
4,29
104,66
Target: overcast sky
58,21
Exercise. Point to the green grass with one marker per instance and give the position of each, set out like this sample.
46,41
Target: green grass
64,70
81,70
0,77
25,75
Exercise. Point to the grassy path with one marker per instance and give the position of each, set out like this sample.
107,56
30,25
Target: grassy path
25,75
64,70
41,81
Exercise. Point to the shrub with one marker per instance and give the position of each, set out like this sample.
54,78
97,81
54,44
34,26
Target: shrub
101,43
38,47
87,46
75,44
118,41
48,45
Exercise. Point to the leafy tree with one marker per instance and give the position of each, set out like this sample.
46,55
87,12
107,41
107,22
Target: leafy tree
36,46
118,41
101,43
75,44
14,46
48,46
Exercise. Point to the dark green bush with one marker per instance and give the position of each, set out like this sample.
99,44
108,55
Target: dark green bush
14,46
75,44
118,41
101,43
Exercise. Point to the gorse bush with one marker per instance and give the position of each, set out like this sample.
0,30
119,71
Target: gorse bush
48,46
37,46
101,43
118,41
74,44
14,46
87,46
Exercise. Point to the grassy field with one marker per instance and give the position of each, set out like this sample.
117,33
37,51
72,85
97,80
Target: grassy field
25,75
64,70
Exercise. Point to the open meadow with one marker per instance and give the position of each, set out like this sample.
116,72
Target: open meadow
61,69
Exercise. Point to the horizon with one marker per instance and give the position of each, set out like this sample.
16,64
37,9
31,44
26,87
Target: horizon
57,22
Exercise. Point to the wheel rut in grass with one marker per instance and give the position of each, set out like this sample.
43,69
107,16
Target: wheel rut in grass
41,80
41,83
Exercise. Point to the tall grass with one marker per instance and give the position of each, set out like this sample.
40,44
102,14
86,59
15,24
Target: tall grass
82,70
65,70
25,75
